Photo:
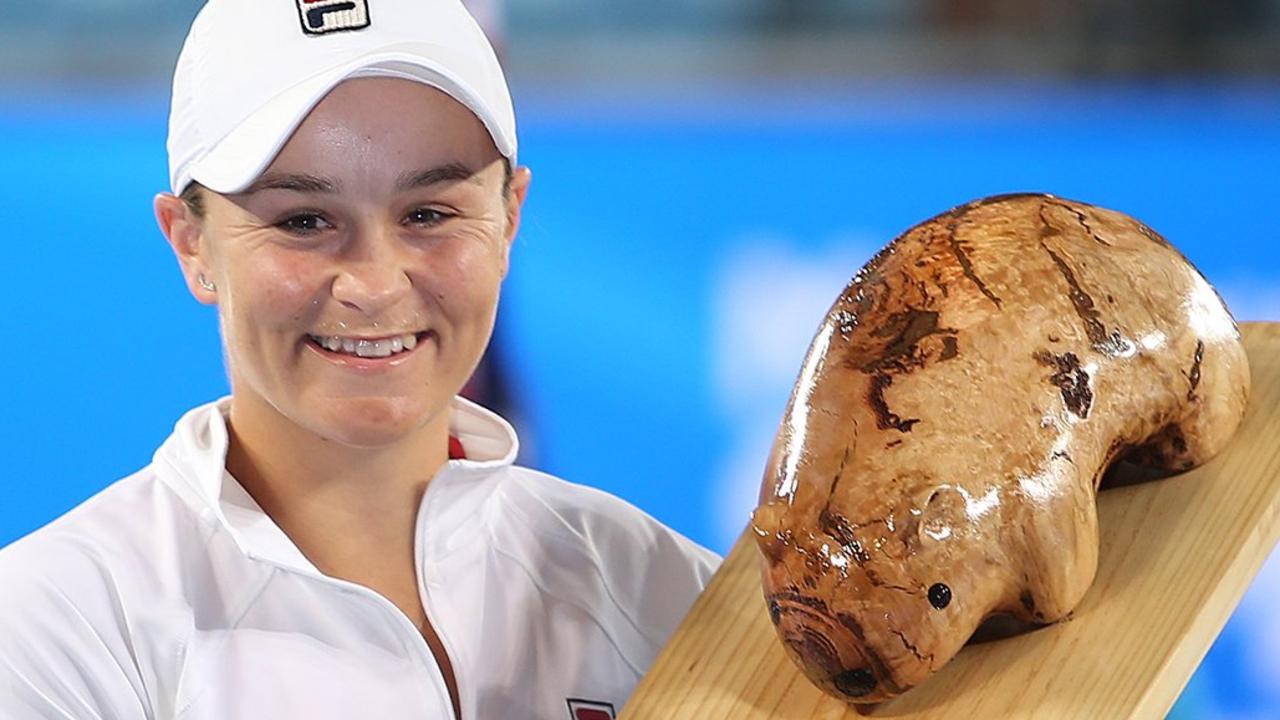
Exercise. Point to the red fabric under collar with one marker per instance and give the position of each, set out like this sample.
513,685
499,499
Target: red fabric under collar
456,451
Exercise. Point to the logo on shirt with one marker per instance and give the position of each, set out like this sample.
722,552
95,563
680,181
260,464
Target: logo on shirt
320,17
589,710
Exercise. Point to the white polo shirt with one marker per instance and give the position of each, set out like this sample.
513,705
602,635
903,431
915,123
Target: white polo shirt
170,594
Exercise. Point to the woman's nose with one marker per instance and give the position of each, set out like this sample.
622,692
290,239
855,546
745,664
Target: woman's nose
374,278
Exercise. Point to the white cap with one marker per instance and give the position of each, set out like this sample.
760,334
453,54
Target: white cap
250,71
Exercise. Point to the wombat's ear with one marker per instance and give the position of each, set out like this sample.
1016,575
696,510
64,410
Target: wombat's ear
767,522
942,515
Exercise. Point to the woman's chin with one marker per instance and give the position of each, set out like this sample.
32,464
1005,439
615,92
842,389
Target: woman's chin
372,422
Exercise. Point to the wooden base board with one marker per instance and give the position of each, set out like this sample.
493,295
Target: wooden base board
1176,556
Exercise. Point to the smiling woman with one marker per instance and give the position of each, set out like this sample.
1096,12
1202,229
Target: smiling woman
362,229
342,536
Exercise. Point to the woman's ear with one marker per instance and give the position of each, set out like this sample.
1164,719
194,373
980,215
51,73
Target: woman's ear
520,179
185,233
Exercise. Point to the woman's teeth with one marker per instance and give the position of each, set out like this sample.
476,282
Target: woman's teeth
359,347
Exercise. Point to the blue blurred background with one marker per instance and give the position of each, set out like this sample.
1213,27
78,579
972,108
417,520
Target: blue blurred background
707,175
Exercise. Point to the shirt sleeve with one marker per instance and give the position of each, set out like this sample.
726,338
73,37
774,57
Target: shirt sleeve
64,648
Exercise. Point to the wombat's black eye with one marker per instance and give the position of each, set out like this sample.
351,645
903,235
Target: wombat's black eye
939,595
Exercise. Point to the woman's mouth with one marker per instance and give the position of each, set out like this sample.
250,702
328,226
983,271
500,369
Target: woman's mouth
368,347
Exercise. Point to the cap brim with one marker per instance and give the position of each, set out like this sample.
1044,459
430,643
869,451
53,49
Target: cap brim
233,164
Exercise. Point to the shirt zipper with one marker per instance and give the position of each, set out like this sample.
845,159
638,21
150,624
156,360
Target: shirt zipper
433,619
424,597
424,649
418,641
425,655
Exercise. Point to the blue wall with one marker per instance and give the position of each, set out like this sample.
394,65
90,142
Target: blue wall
676,257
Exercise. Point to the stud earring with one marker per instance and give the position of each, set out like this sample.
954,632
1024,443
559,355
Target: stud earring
204,283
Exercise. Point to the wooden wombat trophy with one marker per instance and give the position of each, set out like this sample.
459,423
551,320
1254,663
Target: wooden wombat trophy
939,459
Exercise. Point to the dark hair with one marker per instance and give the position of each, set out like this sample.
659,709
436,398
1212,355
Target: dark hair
193,194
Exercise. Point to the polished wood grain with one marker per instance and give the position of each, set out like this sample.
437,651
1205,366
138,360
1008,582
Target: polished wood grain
1176,556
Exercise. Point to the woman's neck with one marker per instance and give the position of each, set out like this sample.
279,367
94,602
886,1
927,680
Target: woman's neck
350,510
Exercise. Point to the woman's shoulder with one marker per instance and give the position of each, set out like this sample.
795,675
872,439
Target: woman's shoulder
117,539
90,531
71,595
586,546
597,528
69,563
576,512
124,523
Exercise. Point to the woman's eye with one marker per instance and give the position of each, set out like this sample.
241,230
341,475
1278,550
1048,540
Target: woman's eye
303,224
428,216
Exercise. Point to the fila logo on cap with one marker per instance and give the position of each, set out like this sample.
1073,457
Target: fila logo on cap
588,710
320,17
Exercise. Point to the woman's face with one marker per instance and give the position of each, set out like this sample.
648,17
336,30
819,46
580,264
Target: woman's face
381,227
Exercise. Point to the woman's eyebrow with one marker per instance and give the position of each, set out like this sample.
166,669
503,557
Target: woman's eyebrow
444,173
306,183
297,182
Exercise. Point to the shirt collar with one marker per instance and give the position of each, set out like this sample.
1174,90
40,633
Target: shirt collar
192,461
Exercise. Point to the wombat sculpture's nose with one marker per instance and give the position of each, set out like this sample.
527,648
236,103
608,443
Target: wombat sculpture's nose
855,683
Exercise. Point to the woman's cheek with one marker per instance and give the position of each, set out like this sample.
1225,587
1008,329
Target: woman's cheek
466,272
286,284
